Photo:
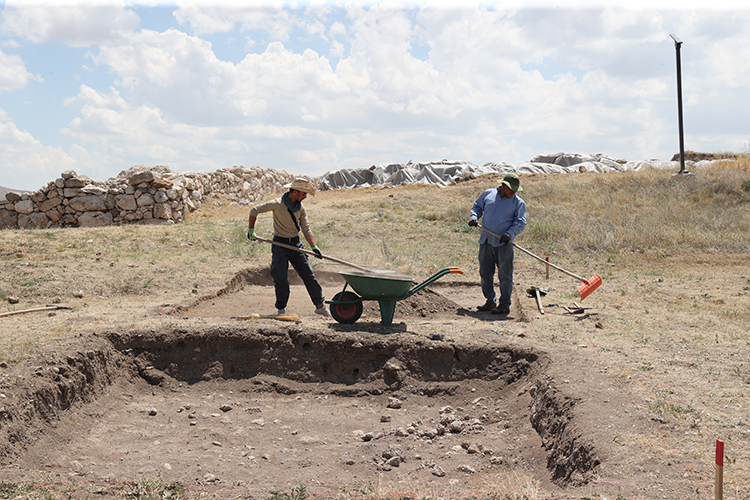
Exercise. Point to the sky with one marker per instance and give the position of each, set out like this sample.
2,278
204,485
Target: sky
318,86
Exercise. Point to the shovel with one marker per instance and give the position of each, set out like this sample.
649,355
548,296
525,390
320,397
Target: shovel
308,252
589,285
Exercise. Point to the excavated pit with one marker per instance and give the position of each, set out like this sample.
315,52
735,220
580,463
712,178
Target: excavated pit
256,408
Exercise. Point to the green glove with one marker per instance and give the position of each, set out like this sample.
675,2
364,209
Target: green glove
317,252
251,234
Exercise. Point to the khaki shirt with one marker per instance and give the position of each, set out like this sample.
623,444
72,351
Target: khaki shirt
283,225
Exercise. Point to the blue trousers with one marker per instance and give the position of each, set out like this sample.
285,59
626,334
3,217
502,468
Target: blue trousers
280,260
501,258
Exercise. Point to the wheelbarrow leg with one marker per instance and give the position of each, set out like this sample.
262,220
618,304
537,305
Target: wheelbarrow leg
387,309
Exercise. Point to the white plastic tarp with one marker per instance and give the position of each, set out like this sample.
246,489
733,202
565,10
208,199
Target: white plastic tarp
443,173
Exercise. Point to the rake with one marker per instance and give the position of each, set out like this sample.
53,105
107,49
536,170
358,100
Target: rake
589,285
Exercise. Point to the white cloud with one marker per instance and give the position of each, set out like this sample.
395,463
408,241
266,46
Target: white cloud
175,72
13,73
27,163
337,29
74,24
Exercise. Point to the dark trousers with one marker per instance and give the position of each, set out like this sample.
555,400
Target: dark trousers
501,258
280,260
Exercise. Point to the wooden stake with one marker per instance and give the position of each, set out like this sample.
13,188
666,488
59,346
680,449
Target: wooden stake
547,266
35,309
719,480
539,300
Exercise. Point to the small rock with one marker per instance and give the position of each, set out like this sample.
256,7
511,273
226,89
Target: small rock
12,300
385,418
394,403
216,443
465,469
496,461
152,411
210,478
474,448
225,407
438,471
456,426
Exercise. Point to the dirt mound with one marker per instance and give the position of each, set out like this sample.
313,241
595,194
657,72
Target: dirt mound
696,156
255,285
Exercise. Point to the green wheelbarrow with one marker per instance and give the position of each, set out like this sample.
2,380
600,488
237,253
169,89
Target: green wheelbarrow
387,289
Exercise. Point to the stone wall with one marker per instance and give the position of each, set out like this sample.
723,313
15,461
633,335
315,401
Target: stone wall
140,194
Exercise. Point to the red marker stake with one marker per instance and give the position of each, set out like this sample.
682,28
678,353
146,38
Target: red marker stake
719,481
547,266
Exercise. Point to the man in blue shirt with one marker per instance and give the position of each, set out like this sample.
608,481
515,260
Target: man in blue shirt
503,213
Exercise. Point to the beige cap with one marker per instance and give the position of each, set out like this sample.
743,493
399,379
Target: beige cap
303,185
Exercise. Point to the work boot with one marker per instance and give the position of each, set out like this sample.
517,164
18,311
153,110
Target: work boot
488,306
322,311
501,309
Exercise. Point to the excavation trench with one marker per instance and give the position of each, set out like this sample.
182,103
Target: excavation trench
256,408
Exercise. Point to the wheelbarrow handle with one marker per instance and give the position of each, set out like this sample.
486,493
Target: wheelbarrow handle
308,252
537,257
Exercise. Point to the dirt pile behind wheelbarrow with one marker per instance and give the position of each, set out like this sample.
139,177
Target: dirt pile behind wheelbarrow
251,291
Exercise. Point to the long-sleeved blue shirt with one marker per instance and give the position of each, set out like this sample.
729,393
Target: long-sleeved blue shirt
499,215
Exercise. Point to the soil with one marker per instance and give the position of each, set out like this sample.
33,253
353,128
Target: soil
445,401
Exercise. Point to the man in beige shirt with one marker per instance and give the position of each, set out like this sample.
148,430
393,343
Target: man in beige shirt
289,218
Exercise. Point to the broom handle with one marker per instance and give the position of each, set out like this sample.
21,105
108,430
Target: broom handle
308,252
537,257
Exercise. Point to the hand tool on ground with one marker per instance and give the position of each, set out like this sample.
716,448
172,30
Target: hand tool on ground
308,252
35,309
279,317
589,285
538,293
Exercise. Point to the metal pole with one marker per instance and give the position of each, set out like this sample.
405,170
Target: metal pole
677,45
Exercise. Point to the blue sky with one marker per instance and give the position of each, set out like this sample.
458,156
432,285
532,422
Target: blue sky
311,87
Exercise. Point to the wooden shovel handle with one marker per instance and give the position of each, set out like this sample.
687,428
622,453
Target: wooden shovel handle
308,252
538,258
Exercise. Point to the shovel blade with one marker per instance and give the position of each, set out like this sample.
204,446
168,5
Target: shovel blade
589,286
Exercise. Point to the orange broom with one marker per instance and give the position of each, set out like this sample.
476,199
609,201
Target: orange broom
589,285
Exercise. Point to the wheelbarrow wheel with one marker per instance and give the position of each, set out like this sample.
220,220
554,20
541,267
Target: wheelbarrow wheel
346,313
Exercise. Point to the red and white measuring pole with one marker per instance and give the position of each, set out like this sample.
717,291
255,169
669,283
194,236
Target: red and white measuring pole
719,480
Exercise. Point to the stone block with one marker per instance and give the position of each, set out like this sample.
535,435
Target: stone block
88,203
8,219
24,207
49,204
126,202
95,219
